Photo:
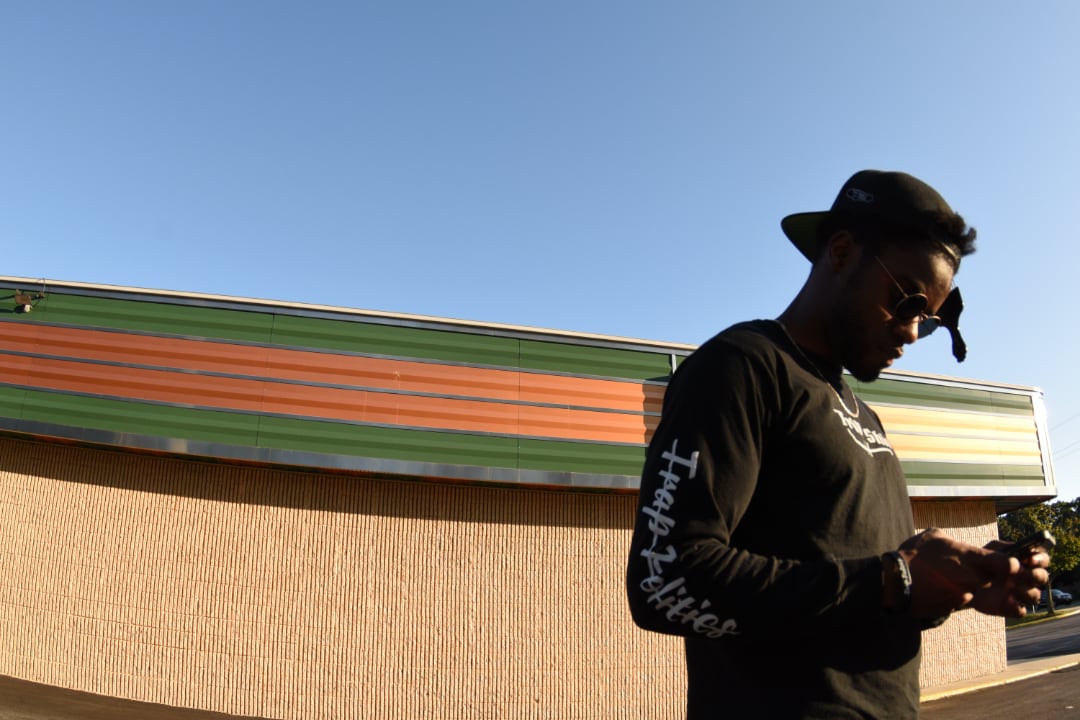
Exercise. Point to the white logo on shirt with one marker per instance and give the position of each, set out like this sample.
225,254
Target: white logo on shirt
868,439
666,595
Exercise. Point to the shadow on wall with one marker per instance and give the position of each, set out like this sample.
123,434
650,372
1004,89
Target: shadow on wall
326,492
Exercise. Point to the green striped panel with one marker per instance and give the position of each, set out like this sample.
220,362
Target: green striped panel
449,448
12,401
586,360
244,430
314,436
155,317
554,456
394,340
920,394
122,416
962,474
387,443
440,345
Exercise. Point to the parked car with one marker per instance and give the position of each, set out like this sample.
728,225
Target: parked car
1060,597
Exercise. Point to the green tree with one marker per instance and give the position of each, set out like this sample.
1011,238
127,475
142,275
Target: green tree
1062,518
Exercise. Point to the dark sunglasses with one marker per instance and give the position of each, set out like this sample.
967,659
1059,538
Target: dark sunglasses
911,306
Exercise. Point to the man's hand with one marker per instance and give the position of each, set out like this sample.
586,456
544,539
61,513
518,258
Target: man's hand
1014,593
949,575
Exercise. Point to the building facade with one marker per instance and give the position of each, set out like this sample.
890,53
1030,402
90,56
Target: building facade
306,512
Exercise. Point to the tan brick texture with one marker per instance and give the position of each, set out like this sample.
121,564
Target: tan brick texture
291,595
284,594
969,644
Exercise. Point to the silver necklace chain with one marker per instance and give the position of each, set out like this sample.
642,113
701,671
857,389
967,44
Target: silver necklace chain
817,371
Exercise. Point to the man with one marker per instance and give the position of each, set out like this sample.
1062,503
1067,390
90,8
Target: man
774,529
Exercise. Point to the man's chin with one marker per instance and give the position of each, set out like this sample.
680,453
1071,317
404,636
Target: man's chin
865,374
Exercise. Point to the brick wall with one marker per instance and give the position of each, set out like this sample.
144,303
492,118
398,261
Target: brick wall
291,595
294,595
968,644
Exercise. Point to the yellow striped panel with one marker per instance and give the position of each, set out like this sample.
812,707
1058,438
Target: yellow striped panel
951,436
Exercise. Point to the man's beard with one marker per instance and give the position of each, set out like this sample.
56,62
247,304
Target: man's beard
843,332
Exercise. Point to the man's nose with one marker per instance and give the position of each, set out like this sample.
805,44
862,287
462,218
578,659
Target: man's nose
907,332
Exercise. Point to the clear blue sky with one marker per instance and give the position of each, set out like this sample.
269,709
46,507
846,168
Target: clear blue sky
608,167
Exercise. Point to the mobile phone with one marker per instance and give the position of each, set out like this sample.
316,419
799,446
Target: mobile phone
1042,539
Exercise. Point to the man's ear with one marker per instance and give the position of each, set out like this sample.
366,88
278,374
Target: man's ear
841,250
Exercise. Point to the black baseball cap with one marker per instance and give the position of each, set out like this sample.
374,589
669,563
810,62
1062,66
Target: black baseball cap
892,197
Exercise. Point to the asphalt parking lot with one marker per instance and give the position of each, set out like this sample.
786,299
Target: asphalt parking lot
22,700
1049,696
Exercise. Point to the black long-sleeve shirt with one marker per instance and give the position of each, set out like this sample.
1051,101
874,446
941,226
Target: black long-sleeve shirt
767,499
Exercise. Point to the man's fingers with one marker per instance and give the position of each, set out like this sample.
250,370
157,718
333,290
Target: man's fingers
996,564
1040,560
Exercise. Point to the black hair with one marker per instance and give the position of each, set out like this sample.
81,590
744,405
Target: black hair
947,234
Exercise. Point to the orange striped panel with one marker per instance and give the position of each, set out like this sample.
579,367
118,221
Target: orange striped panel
984,437
261,396
329,368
